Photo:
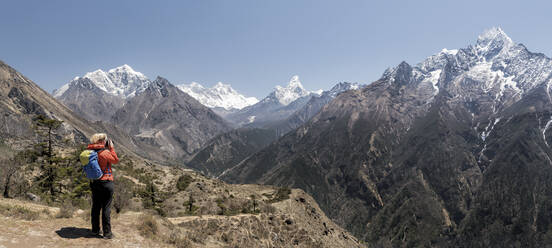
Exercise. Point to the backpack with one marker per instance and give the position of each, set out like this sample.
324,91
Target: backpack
91,167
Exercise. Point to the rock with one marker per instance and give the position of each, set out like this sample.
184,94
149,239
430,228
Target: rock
33,197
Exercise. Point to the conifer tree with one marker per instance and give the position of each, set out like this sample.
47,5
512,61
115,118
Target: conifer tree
46,129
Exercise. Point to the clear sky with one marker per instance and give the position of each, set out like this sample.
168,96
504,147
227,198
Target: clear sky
254,44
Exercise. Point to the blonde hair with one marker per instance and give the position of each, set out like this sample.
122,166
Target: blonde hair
97,137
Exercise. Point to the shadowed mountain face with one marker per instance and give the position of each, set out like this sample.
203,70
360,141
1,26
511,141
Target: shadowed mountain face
309,109
451,152
229,149
164,116
89,101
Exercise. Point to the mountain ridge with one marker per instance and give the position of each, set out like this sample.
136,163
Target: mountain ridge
165,116
122,81
423,141
220,95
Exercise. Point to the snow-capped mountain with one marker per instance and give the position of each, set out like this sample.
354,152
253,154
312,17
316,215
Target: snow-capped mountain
290,93
224,96
503,69
221,95
313,106
341,87
121,81
277,106
98,94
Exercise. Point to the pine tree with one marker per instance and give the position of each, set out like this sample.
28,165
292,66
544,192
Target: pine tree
46,129
191,203
254,202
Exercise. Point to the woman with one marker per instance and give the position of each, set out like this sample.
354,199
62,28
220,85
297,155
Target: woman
102,188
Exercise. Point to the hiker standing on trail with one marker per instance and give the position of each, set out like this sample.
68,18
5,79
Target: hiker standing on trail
102,188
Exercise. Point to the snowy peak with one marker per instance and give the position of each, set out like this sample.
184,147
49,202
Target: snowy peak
220,95
492,42
290,93
121,81
494,34
449,52
341,87
294,82
125,69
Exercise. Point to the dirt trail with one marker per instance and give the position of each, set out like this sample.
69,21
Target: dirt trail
67,232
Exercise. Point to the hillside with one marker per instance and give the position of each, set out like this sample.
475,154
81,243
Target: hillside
282,220
228,149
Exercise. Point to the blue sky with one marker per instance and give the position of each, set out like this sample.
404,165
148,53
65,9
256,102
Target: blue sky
254,44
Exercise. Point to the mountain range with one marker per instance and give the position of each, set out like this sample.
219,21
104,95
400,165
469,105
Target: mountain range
219,96
112,97
229,149
240,215
155,112
451,152
278,105
122,81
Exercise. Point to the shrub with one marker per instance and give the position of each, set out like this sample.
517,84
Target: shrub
124,191
150,196
66,210
189,205
148,227
280,195
231,206
183,182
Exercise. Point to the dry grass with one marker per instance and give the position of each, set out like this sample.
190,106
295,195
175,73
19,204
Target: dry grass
19,212
148,227
160,229
178,239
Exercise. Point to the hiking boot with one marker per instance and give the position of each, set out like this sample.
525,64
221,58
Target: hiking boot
109,236
96,234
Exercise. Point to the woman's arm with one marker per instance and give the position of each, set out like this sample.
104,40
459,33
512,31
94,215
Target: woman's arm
111,156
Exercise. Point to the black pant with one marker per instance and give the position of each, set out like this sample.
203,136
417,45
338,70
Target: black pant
102,196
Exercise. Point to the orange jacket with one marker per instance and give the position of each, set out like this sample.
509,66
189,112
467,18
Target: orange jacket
105,158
